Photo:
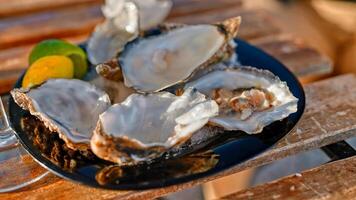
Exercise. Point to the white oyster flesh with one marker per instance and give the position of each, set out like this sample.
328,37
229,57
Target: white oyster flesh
158,62
151,12
150,121
249,99
69,107
110,37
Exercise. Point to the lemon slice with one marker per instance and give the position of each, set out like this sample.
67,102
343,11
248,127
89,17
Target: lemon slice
46,68
63,48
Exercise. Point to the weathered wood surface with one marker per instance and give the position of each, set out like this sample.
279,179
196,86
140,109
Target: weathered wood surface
301,59
18,7
336,180
29,29
330,116
192,7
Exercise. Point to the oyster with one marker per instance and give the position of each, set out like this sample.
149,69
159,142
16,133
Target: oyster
249,99
69,107
143,127
110,37
153,63
124,19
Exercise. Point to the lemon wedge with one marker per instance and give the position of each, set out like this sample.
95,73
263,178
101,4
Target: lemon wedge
46,68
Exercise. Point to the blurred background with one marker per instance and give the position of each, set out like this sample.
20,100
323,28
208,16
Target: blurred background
329,26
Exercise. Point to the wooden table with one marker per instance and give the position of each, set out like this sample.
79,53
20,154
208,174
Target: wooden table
330,114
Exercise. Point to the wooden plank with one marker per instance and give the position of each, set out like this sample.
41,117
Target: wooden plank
301,59
191,7
330,116
18,7
336,180
8,79
74,21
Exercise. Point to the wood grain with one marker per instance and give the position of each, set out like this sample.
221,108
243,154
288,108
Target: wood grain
73,21
191,7
301,59
330,116
336,180
21,7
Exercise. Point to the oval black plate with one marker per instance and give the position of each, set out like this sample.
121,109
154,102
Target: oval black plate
230,153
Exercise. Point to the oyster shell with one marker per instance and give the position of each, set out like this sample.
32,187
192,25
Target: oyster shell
110,37
69,107
249,99
124,19
153,63
151,12
143,127
116,90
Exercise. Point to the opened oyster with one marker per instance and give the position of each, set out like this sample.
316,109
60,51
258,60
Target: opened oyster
143,127
124,19
153,63
69,107
249,99
110,37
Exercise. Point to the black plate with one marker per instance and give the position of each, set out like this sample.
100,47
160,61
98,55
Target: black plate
231,152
